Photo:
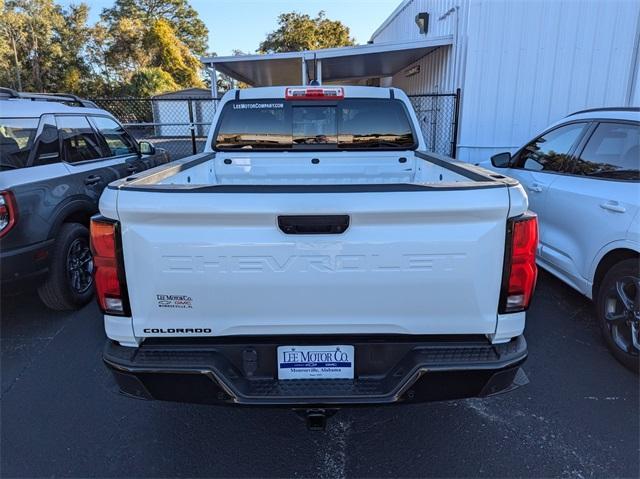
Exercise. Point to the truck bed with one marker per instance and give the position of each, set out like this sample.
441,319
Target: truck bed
377,169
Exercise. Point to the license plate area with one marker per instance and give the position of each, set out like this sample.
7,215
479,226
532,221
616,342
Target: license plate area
315,362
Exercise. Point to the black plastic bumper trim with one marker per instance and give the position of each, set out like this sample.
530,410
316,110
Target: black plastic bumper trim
20,264
408,372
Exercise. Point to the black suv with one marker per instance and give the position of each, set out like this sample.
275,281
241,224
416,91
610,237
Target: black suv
57,153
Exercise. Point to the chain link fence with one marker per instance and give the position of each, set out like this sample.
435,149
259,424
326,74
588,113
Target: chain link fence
180,125
438,117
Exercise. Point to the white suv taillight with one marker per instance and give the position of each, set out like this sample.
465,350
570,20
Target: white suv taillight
8,212
111,289
520,271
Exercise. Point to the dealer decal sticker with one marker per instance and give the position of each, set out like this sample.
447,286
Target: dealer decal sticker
253,106
175,301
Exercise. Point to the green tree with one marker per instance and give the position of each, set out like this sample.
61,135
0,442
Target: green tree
29,26
149,34
44,47
102,81
183,18
125,52
298,31
12,40
168,53
41,45
72,69
150,81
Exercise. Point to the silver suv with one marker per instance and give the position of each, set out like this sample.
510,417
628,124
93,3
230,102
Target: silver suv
582,175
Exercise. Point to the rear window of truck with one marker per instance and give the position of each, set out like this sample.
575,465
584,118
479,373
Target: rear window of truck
350,124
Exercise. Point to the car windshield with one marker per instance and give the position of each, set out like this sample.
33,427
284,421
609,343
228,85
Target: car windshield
349,124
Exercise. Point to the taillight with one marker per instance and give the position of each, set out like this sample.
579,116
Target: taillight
8,212
111,289
520,270
314,93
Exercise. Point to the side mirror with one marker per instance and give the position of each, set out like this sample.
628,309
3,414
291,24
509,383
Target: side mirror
147,148
501,160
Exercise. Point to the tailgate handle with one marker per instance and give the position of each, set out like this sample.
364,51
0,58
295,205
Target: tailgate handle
314,224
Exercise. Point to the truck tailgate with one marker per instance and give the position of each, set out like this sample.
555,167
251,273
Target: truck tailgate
418,262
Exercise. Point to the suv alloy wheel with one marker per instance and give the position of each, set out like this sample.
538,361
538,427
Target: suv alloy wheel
70,282
618,307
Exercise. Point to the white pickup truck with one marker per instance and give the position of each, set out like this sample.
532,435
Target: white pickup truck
314,255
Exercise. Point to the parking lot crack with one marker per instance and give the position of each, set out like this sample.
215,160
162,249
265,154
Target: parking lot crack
32,358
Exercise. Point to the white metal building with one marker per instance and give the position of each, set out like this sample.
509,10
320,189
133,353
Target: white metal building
519,64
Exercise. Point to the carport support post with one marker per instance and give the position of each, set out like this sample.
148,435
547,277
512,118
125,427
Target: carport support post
192,127
456,127
304,71
214,82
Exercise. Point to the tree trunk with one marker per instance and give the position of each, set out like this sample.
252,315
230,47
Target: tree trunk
37,81
17,64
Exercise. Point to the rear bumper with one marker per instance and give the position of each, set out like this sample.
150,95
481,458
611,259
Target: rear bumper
26,263
388,370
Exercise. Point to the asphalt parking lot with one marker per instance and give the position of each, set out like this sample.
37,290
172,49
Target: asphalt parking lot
62,416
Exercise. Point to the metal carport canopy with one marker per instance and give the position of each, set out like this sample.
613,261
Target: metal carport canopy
343,63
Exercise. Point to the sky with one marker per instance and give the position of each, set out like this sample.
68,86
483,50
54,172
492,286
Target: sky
243,24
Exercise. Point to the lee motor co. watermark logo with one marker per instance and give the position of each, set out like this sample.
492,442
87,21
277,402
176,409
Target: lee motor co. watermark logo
317,357
175,301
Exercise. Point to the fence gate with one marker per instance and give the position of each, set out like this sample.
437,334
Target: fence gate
180,125
438,117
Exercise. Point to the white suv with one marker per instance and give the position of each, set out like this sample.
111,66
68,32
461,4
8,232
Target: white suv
582,176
